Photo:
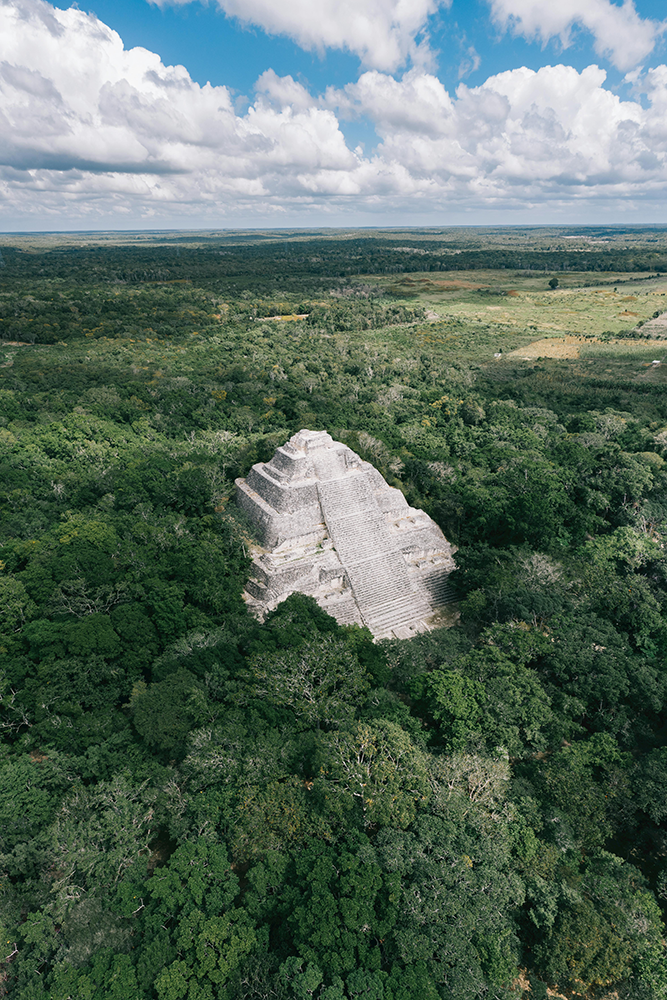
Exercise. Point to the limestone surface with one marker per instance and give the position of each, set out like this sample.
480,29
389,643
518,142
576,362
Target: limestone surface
330,526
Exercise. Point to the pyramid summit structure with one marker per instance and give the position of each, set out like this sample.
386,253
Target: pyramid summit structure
329,525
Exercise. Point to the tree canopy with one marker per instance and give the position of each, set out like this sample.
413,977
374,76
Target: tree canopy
198,806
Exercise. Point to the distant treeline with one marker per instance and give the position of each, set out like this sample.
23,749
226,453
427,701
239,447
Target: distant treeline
291,262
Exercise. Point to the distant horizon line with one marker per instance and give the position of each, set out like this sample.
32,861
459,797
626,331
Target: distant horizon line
315,229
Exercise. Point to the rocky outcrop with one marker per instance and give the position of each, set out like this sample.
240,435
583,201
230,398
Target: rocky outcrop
329,525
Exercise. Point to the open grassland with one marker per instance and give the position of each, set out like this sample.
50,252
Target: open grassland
584,304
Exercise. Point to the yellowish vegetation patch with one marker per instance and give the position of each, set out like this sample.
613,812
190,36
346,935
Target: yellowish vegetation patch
288,319
426,284
549,347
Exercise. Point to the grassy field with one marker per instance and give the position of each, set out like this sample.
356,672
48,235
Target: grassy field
515,302
512,322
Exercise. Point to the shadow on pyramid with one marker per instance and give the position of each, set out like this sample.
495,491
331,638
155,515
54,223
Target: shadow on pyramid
330,526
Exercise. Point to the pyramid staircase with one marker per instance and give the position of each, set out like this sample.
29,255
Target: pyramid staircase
378,577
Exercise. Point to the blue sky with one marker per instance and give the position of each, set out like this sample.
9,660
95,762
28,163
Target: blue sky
220,49
483,111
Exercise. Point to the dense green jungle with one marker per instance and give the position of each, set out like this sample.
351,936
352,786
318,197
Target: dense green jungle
197,806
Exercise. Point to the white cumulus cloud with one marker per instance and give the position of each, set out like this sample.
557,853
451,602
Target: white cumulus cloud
72,99
521,137
383,33
92,134
619,32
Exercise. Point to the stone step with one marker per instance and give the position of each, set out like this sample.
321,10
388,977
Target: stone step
256,588
345,611
436,590
345,617
379,577
363,531
396,600
339,494
393,599
356,525
439,588
357,517
396,618
383,595
374,601
384,575
348,506
365,542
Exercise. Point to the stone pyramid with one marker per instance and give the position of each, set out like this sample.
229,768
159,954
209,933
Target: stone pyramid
330,526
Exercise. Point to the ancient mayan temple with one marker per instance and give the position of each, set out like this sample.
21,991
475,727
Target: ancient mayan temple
330,526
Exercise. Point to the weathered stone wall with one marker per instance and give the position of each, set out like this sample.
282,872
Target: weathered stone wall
285,497
273,527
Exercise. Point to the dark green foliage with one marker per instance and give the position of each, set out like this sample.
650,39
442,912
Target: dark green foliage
165,712
603,930
294,621
30,789
488,697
